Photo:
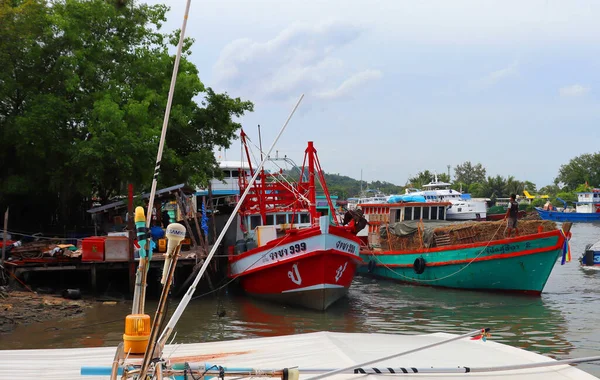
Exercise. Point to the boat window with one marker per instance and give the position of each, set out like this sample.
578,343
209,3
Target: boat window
408,213
441,213
304,218
226,173
434,213
280,219
417,214
270,220
398,216
235,173
255,221
426,213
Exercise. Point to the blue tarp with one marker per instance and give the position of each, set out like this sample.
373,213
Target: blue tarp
406,198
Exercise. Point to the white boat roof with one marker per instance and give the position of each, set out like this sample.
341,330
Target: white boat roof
436,184
314,350
228,164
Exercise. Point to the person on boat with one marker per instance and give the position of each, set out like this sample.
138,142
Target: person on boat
511,215
165,218
355,220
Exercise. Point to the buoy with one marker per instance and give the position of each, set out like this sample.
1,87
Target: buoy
137,333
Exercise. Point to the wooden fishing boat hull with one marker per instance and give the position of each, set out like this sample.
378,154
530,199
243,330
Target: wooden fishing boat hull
309,268
521,264
558,216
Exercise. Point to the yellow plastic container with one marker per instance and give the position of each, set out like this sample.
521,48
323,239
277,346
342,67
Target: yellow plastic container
162,245
137,333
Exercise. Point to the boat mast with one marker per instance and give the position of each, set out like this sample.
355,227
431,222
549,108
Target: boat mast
263,183
312,207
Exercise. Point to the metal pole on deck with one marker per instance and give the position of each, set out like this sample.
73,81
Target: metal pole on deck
4,237
131,235
140,287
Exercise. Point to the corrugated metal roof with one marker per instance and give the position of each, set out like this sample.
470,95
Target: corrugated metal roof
119,204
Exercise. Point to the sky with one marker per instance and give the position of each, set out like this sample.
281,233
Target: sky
394,87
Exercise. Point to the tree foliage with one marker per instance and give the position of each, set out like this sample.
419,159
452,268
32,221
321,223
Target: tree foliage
83,90
580,170
467,173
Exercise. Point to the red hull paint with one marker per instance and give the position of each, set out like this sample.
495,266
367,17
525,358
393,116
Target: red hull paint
315,278
309,281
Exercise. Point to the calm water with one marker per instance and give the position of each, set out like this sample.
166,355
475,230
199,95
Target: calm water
563,323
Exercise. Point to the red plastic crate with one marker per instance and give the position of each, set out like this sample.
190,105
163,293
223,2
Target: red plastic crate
92,248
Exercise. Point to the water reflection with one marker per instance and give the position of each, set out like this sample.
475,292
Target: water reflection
528,321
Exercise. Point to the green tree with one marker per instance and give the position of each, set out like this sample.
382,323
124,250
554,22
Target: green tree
514,186
467,173
84,89
530,186
386,187
495,187
581,169
550,190
477,190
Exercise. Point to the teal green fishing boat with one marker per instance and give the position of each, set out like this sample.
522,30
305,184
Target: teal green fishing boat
473,256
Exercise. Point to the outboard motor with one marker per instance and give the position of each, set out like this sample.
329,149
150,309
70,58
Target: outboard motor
588,256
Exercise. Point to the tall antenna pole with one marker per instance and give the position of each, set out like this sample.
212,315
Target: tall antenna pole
140,287
361,189
263,180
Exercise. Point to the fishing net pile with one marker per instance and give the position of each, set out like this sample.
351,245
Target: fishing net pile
417,235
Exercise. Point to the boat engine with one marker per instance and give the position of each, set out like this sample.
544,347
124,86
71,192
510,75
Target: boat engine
588,256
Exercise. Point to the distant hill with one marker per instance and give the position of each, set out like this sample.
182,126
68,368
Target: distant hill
346,187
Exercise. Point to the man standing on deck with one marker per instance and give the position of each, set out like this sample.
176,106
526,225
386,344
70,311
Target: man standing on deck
511,215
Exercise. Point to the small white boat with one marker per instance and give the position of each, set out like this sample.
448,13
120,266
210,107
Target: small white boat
367,197
321,350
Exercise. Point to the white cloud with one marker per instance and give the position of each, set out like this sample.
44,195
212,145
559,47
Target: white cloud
498,75
574,90
300,59
350,84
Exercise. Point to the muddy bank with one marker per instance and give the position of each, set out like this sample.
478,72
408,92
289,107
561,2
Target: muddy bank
23,307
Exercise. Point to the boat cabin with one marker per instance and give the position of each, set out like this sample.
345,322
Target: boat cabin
388,213
281,220
230,183
588,202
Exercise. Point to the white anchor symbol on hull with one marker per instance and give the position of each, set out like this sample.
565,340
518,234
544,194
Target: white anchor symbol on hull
340,271
294,275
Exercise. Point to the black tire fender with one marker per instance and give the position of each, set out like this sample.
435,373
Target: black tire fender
371,266
419,265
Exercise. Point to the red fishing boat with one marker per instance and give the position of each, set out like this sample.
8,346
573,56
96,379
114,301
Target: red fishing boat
291,253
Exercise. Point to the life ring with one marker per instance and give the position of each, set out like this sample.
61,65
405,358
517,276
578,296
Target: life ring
419,265
371,266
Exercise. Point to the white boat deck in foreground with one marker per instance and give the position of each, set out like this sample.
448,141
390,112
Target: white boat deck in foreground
314,350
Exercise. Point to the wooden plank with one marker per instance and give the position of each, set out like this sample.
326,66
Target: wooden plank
4,237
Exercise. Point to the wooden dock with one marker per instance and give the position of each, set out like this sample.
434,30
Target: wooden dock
19,268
